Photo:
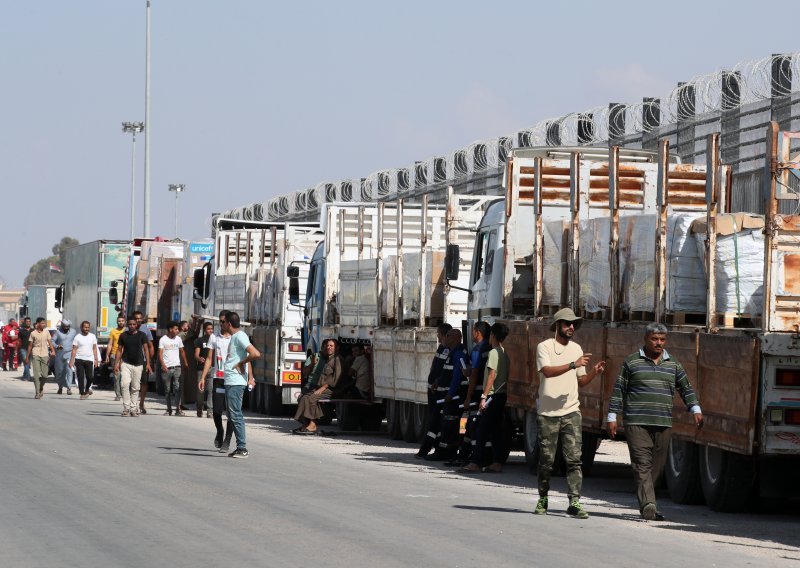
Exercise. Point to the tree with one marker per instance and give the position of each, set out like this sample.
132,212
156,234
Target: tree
50,271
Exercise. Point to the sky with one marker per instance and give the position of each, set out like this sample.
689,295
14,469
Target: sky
251,99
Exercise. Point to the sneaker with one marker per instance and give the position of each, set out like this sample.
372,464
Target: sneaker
239,453
69,391
168,413
134,413
180,413
541,506
126,412
649,512
576,510
208,414
60,390
223,449
218,442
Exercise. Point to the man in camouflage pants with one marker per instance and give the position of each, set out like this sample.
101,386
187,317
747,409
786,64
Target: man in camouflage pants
562,369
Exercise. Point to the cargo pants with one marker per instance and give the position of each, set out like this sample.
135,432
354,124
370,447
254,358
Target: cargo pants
567,430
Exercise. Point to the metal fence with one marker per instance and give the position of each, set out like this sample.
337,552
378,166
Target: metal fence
738,103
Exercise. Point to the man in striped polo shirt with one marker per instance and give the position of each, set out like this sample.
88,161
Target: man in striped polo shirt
643,393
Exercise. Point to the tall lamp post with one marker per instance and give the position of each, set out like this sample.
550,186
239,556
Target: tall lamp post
177,188
133,128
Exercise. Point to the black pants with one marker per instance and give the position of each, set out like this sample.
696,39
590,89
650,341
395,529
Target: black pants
219,405
490,430
451,426
433,422
85,371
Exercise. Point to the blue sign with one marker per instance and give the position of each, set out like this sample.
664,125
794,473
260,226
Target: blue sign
201,247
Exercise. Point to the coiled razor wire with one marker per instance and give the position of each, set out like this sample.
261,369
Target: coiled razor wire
722,90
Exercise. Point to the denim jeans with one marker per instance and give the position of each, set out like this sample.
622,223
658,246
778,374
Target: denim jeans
172,387
234,395
26,370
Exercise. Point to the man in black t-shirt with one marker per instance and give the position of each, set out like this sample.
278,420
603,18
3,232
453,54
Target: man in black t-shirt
24,337
201,353
130,363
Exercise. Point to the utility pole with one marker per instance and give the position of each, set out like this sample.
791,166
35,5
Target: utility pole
147,132
177,188
133,128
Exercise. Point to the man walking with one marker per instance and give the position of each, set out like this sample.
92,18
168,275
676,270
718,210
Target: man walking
644,393
202,351
240,353
562,369
130,362
215,362
40,348
111,355
24,338
148,355
84,358
170,356
62,340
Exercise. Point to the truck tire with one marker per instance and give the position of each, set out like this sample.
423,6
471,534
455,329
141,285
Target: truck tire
407,421
727,479
273,400
682,473
348,416
393,419
531,440
590,442
420,420
371,417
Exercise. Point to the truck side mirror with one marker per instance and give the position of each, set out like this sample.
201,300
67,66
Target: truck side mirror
59,296
113,296
452,261
201,281
294,290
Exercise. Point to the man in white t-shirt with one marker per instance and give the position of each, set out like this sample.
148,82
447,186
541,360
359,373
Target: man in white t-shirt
562,369
170,356
214,366
84,358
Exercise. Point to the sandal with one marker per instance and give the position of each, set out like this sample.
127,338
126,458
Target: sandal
303,430
471,468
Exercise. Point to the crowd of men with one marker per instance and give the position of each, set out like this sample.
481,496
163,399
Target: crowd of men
460,385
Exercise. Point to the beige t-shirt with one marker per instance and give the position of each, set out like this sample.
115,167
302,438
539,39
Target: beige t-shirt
39,340
558,396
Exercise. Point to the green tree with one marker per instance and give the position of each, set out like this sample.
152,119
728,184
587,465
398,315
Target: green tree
50,271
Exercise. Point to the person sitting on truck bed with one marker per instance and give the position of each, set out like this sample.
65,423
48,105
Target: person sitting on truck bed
359,370
308,407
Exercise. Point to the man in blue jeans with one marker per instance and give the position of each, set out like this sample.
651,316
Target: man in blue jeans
240,353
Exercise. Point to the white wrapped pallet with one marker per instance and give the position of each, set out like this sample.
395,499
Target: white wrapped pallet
685,280
739,268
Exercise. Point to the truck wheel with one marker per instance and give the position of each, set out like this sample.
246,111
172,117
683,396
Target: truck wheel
393,419
273,400
531,441
590,442
682,473
420,420
347,416
371,417
407,421
727,479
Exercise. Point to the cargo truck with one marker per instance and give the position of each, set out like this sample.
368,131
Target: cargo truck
608,236
40,302
250,274
378,279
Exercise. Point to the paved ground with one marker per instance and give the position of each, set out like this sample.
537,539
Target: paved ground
82,486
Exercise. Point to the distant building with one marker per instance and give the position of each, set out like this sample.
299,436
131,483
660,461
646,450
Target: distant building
10,302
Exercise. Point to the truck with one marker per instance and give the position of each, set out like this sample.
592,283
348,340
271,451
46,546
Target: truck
377,279
40,302
250,274
610,233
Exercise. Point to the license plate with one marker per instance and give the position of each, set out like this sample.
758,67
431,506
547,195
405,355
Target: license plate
290,378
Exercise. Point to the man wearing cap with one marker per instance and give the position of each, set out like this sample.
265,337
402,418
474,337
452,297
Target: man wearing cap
62,341
562,369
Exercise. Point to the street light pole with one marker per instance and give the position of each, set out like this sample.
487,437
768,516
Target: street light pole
133,128
147,132
177,188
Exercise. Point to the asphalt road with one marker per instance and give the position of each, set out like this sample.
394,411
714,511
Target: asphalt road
82,486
